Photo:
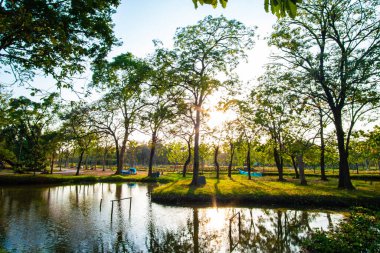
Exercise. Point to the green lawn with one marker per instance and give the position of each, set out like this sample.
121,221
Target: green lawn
22,179
267,190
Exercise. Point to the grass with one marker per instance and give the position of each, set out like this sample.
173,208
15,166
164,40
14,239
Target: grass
267,190
25,179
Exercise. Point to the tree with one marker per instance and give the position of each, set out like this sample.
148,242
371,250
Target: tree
117,113
335,44
373,140
216,136
280,8
211,47
231,128
78,129
183,130
176,152
53,36
24,135
164,103
273,113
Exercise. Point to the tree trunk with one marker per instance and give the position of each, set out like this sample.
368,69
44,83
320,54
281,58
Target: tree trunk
119,159
279,164
67,160
216,153
52,163
344,172
96,157
249,160
60,163
301,166
104,158
79,162
232,150
322,157
194,181
187,160
86,162
120,166
151,156
295,166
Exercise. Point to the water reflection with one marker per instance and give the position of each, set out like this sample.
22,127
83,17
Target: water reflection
78,219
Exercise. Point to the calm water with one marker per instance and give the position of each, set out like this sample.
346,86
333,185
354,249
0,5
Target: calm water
72,219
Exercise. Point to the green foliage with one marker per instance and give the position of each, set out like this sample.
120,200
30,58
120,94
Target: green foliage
214,3
177,152
359,233
26,140
54,36
281,8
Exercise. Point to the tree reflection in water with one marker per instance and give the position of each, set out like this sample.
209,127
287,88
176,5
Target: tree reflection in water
265,231
68,219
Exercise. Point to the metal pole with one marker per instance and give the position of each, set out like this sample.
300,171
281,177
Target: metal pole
111,209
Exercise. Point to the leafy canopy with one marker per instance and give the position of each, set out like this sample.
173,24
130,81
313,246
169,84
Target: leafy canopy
56,37
281,8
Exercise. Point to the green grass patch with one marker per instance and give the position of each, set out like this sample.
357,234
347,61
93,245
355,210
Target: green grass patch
267,190
25,179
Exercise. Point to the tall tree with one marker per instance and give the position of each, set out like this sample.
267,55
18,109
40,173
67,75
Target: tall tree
273,113
164,102
211,47
124,80
335,44
231,128
79,129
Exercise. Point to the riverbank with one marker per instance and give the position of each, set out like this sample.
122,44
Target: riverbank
175,190
268,191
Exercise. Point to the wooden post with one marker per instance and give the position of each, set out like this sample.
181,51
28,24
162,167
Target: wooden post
130,204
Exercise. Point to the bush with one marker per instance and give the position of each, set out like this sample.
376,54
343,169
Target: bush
359,233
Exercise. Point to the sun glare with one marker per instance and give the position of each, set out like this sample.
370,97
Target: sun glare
216,218
217,118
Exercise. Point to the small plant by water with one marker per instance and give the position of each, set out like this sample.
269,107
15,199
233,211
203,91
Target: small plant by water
360,232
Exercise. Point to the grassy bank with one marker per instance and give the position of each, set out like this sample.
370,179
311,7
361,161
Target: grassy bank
267,190
25,179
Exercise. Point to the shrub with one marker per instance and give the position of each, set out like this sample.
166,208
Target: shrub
359,233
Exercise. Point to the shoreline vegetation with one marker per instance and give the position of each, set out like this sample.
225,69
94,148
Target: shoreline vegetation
173,189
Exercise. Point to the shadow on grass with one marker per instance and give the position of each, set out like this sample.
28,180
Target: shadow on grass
168,185
217,190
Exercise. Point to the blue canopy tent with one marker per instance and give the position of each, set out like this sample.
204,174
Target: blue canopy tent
131,171
254,174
